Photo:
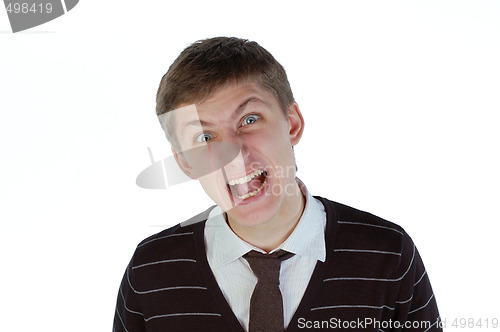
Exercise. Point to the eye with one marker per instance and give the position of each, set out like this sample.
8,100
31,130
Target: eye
203,138
249,119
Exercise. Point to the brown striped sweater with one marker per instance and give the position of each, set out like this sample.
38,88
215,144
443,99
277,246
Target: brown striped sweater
373,279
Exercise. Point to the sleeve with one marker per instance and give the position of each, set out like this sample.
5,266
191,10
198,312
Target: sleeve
128,314
416,302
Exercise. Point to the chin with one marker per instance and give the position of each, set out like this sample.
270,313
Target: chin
250,220
255,211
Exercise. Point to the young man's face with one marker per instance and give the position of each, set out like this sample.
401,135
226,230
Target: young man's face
259,184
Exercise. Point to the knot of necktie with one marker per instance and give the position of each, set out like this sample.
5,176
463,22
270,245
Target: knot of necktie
267,266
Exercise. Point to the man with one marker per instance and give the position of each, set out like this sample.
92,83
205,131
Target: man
269,256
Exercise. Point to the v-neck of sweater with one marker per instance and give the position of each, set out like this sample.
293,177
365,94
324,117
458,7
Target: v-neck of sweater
311,290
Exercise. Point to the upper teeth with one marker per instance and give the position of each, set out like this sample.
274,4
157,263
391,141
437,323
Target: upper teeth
246,179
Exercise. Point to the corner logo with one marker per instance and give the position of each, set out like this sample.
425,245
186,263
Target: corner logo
26,14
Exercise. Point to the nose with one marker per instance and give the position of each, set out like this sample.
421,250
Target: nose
243,157
239,141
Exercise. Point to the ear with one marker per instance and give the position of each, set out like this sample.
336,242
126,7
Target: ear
183,163
296,123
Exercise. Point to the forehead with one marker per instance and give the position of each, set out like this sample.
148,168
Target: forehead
225,102
232,95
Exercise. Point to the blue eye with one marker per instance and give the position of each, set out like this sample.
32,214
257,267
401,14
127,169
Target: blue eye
252,118
203,138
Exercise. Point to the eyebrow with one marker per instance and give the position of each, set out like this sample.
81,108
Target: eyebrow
242,106
235,114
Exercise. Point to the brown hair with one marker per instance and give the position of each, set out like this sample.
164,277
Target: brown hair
209,64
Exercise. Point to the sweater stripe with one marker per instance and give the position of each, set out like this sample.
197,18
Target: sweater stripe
121,320
375,279
353,306
422,307
165,261
162,289
169,288
127,308
405,301
432,325
162,237
368,251
370,225
183,314
419,280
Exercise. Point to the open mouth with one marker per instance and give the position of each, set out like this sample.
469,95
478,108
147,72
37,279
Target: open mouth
248,186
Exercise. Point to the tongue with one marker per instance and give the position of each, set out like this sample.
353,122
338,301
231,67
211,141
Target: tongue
245,188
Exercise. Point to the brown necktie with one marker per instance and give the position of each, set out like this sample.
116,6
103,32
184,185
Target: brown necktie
266,304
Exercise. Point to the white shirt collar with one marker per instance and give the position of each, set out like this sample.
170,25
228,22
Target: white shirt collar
307,239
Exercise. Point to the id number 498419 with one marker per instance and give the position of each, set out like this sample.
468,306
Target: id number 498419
25,8
470,323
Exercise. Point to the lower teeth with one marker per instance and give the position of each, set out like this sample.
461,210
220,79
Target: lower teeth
253,193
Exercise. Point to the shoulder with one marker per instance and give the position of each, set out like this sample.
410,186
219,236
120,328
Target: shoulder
357,229
172,243
164,261
350,215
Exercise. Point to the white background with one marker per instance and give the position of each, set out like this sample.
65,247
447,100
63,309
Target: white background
400,99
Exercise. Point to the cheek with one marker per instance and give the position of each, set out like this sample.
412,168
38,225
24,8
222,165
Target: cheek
273,144
272,137
209,183
213,186
216,190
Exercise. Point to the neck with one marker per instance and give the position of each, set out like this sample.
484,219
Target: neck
270,234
